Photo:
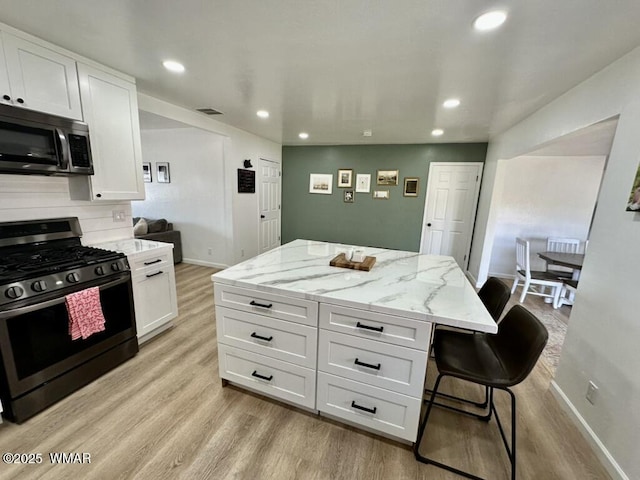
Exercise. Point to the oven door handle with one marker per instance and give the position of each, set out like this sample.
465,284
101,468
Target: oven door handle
55,301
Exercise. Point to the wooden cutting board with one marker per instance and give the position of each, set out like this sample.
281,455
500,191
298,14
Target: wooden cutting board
341,261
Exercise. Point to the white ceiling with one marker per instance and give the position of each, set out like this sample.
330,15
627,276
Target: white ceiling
334,68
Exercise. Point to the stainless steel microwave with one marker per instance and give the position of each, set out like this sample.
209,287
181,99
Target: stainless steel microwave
37,143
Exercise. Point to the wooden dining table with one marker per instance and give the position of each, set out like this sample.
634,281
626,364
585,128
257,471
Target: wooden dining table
570,260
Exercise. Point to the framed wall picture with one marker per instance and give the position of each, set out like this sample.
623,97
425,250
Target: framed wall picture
162,172
146,172
321,183
348,196
387,177
363,183
345,178
411,186
381,194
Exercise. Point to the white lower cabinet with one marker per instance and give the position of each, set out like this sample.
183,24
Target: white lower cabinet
367,374
273,377
268,343
375,408
154,284
369,367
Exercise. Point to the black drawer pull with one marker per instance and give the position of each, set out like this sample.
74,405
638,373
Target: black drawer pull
154,261
256,304
368,365
256,374
154,274
364,409
367,327
266,339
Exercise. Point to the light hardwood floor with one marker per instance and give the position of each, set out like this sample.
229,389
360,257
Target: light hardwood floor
164,415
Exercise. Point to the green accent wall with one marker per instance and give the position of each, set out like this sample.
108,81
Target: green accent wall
395,223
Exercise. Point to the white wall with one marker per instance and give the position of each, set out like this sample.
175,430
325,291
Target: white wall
32,197
604,332
543,197
194,200
243,220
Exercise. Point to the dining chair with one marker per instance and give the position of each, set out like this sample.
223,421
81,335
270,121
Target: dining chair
495,361
533,280
568,293
562,245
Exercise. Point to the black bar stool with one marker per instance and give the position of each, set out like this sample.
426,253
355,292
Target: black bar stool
495,361
494,295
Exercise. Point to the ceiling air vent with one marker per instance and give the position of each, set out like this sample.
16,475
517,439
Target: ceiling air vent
209,111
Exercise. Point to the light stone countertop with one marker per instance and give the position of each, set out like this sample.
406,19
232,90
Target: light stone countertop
131,246
423,287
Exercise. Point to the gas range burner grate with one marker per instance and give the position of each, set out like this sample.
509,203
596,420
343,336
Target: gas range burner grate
44,260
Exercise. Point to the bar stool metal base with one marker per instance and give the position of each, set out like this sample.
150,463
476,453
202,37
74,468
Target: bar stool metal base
511,450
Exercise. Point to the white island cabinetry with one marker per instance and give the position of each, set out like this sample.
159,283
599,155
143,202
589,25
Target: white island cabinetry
373,329
154,284
268,343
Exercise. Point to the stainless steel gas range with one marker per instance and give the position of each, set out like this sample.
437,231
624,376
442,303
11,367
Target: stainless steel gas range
41,262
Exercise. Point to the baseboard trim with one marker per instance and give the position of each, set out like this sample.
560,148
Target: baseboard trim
607,460
204,264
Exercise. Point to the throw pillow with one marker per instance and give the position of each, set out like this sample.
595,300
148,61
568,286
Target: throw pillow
140,228
155,226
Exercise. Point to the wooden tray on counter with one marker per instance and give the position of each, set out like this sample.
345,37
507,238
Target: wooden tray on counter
342,262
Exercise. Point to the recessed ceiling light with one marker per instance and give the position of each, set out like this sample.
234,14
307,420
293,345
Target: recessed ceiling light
451,103
173,66
303,135
490,20
437,132
262,114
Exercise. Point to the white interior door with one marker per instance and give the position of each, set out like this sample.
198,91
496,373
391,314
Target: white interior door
450,209
270,182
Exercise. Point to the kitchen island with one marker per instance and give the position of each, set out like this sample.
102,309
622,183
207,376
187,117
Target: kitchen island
350,344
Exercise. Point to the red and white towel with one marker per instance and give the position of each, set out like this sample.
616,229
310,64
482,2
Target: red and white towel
85,313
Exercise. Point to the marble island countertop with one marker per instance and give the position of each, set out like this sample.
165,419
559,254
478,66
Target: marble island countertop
423,287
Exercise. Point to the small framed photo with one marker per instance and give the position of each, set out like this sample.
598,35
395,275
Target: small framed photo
363,183
345,178
348,196
162,172
411,186
146,172
321,183
387,177
381,194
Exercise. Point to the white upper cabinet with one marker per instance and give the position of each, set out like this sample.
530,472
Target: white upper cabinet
37,78
110,107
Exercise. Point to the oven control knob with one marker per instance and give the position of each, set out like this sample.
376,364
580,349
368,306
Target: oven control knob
99,270
13,292
73,277
39,286
116,267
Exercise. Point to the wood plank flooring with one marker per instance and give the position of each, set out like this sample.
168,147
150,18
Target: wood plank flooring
164,415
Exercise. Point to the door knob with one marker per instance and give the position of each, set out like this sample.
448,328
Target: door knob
262,216
428,224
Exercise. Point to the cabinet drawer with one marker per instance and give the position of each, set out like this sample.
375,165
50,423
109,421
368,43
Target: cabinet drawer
140,264
286,341
396,368
381,410
267,304
280,379
377,326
